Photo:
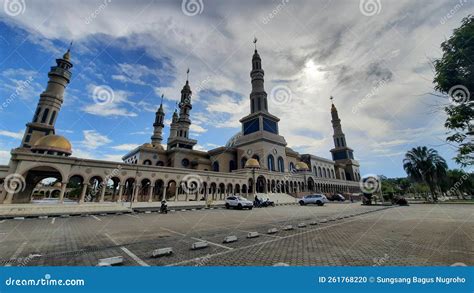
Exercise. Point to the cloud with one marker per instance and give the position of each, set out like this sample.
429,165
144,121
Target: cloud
93,139
4,157
15,135
125,147
114,103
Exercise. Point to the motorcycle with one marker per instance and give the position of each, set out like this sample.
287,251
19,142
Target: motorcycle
164,207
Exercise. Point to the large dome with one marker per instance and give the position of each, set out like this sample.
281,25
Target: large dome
231,142
53,143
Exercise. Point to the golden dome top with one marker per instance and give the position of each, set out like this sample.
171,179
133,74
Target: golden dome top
57,184
67,55
55,143
301,166
252,163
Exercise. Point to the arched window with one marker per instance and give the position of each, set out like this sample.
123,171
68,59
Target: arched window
256,157
147,162
332,174
243,161
45,115
35,118
52,118
315,171
271,163
292,167
232,165
215,166
281,164
324,172
320,172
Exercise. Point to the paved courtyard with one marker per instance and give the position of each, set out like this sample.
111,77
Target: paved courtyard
345,235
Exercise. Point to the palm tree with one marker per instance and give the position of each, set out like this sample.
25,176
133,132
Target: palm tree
425,165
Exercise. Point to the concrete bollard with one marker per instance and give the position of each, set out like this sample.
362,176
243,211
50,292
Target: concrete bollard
272,231
230,239
199,245
253,235
162,252
110,261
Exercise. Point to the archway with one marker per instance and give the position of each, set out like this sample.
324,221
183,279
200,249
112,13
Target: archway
158,190
95,188
311,184
261,184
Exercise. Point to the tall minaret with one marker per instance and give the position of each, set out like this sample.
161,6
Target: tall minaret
258,96
338,136
157,136
185,107
341,153
50,102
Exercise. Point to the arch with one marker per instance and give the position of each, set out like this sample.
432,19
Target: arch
144,189
213,190
147,162
271,163
332,174
74,186
291,167
281,164
129,188
171,189
250,185
320,172
273,186
237,189
215,166
244,189
261,184
230,189
113,188
158,189
315,171
311,184
221,190
324,172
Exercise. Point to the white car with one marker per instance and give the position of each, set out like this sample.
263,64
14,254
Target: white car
238,202
318,199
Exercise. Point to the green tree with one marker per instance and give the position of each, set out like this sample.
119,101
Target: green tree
454,75
425,165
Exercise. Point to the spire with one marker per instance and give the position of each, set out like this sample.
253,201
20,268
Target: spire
334,114
160,109
67,55
258,96
255,43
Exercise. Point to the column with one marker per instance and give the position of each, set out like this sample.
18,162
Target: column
135,193
83,192
63,190
164,193
150,193
176,193
102,192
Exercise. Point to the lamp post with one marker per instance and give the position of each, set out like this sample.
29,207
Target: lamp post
253,165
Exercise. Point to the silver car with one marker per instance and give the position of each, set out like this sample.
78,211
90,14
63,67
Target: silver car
318,199
238,202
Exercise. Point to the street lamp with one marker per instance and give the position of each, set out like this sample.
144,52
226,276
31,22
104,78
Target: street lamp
253,165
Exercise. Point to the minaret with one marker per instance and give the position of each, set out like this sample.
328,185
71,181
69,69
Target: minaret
341,153
50,102
258,96
157,136
179,132
338,136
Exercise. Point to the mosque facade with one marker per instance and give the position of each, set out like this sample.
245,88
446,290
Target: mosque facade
255,160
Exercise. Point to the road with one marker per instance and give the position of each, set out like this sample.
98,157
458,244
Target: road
345,235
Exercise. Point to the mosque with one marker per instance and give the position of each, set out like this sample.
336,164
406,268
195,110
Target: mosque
255,160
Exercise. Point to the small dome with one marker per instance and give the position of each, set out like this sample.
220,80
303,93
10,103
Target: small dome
301,166
67,55
252,163
54,143
57,184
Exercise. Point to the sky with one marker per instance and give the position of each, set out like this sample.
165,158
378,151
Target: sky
373,56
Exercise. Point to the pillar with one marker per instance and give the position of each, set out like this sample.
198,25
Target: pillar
164,193
135,193
102,193
176,193
150,193
83,192
63,190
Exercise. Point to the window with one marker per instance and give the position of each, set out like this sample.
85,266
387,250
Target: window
35,118
185,162
271,163
215,166
251,126
243,161
147,162
270,126
232,166
315,171
324,172
281,164
45,116
292,167
52,118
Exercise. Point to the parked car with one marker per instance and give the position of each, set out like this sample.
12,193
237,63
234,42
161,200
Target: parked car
238,202
318,199
337,197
